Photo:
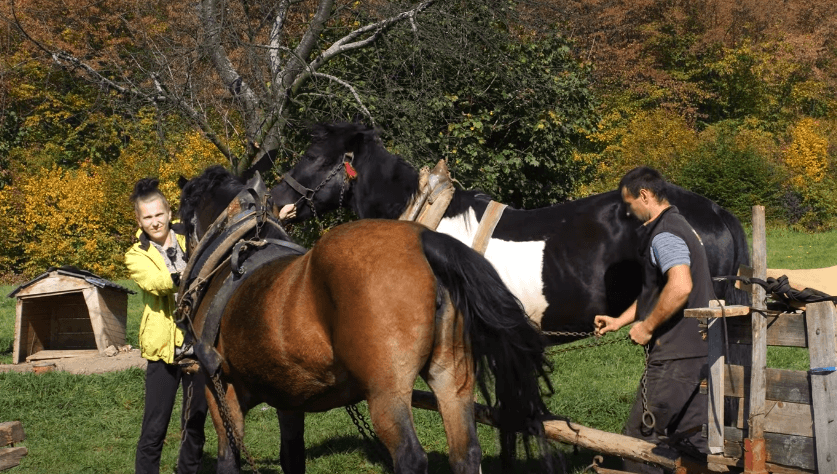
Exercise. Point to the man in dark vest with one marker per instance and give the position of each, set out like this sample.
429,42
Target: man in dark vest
676,277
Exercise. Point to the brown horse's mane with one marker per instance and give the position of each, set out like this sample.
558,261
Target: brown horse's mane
215,182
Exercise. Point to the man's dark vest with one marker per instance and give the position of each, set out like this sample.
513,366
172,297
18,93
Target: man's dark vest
679,337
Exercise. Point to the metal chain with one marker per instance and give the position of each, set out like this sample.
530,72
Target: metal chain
596,343
368,434
186,410
648,419
226,417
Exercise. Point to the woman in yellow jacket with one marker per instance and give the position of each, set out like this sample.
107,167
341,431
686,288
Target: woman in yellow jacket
155,263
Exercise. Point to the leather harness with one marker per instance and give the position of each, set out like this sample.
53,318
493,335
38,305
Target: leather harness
246,236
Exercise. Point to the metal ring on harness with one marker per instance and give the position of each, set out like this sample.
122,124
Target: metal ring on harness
646,416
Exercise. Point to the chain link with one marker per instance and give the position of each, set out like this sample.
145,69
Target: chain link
596,343
648,419
186,411
226,417
368,434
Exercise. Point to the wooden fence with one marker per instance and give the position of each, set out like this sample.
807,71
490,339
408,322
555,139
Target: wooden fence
763,419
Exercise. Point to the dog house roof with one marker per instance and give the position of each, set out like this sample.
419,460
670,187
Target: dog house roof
74,272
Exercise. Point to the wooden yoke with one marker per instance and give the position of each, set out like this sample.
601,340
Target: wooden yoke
435,193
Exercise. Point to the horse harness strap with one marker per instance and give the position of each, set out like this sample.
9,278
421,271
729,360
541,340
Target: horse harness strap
247,257
488,223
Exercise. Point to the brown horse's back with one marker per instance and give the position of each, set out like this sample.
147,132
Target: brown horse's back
297,313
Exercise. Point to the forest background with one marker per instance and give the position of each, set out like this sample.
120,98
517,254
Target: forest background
533,102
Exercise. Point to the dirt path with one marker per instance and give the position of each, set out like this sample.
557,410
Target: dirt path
822,279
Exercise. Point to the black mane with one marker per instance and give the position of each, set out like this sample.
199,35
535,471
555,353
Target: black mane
215,182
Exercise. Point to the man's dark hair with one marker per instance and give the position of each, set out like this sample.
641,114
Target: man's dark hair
644,177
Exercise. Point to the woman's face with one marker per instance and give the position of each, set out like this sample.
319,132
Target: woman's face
153,218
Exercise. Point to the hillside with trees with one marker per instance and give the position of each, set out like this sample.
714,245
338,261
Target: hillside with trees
533,102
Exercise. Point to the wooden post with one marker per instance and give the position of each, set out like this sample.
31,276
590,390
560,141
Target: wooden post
755,456
715,398
820,319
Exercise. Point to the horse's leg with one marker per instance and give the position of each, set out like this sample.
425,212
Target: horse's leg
450,375
392,418
292,450
229,457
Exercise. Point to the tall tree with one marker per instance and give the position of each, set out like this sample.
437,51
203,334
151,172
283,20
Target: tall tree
233,67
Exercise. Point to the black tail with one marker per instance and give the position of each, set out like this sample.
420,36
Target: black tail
505,343
730,293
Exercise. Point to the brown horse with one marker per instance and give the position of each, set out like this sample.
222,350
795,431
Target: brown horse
372,306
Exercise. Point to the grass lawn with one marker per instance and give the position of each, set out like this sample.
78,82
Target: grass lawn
90,424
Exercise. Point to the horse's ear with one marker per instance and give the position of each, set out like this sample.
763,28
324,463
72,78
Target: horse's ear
181,182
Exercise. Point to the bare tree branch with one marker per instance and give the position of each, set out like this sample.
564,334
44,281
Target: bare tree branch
351,89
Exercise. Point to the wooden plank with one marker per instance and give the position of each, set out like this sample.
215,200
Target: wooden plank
10,457
11,432
20,335
717,312
717,360
821,318
786,329
577,435
786,450
785,418
781,385
716,459
60,354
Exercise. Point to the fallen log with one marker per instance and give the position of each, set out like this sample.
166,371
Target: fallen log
11,432
578,435
10,457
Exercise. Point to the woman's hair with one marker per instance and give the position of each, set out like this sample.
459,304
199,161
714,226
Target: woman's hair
146,190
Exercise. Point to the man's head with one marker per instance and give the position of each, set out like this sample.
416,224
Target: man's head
152,210
644,192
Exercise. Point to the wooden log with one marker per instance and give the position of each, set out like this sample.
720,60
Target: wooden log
821,317
11,432
578,435
10,457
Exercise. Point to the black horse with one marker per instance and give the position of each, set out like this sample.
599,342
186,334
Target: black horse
566,263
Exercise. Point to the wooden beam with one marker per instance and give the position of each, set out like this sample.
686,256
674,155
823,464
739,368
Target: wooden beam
11,432
715,398
10,457
781,385
821,317
717,312
578,435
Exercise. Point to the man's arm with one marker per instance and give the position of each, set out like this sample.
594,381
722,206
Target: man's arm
674,296
605,324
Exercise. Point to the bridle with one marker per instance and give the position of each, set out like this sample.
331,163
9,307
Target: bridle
307,194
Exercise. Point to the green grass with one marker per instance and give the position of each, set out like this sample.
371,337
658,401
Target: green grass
90,424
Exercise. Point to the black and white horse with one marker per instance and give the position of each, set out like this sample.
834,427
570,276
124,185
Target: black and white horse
566,263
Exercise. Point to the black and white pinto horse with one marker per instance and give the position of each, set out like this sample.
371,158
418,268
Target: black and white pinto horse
566,263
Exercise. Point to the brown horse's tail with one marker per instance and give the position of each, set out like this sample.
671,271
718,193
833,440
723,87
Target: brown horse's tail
505,343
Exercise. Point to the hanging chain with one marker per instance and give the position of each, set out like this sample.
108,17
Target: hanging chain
233,437
368,434
648,419
186,410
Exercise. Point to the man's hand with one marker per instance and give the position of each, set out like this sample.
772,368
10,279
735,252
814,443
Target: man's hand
640,333
288,211
605,324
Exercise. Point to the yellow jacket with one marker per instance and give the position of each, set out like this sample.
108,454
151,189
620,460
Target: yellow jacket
158,335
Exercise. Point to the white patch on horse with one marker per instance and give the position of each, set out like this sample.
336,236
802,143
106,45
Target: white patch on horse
519,264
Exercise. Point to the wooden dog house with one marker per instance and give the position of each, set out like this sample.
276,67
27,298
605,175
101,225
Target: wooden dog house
68,312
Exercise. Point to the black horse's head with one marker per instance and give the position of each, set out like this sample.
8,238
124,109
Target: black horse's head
204,198
347,166
322,179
